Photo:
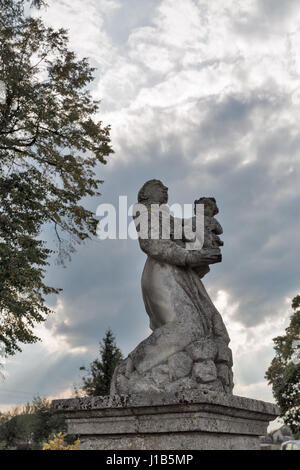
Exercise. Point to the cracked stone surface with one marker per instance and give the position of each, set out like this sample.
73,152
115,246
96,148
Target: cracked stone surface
205,372
180,365
184,419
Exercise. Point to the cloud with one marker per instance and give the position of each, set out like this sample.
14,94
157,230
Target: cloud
252,346
205,96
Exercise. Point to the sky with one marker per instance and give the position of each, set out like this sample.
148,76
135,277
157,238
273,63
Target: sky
205,96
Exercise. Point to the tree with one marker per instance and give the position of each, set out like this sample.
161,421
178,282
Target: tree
284,371
50,145
33,424
45,423
16,427
101,370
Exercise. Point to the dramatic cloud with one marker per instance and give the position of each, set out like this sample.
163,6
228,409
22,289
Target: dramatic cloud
205,96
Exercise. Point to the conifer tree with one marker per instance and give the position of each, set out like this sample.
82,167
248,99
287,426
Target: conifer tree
101,370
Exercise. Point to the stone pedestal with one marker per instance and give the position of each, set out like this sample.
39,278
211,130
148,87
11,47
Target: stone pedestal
188,420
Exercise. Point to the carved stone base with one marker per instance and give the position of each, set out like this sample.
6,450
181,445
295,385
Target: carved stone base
204,364
183,421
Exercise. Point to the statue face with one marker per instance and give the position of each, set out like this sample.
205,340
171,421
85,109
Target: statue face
211,208
162,194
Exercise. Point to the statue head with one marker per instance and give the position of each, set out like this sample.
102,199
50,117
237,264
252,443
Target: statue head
153,192
210,206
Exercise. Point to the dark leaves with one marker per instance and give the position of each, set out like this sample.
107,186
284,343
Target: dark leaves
50,145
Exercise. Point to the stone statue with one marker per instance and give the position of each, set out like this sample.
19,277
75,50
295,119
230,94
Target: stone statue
188,347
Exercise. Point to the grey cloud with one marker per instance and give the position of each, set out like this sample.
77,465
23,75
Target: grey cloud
277,8
264,18
251,367
130,14
258,201
253,273
41,375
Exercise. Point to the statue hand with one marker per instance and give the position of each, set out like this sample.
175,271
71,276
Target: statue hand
203,257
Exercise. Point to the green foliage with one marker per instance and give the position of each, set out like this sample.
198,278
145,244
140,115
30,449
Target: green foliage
284,371
46,423
17,430
101,370
58,443
50,144
32,425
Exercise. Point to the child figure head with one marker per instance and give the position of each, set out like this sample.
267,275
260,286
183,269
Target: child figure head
210,206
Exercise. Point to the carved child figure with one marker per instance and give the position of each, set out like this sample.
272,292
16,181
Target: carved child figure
212,229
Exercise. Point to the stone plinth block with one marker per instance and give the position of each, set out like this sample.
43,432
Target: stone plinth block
170,421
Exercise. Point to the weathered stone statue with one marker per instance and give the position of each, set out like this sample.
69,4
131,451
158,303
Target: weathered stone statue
174,391
188,348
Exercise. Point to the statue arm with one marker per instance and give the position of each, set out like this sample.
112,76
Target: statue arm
166,251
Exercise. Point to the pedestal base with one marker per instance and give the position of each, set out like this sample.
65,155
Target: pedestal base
183,421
